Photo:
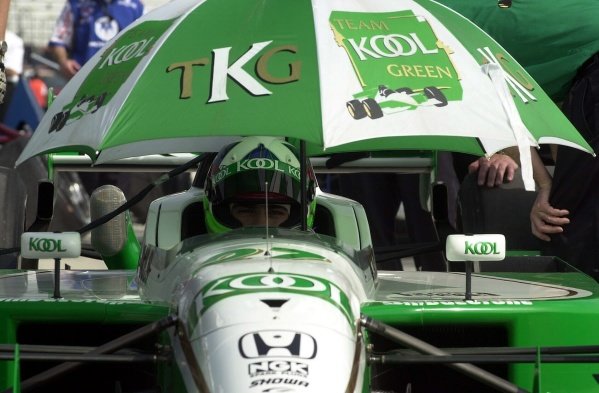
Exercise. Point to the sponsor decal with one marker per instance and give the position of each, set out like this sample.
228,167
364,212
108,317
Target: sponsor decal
277,343
50,245
279,381
45,245
399,61
253,164
516,78
390,45
487,290
443,294
276,282
285,367
222,69
402,64
430,303
236,285
126,52
275,252
487,247
480,248
116,65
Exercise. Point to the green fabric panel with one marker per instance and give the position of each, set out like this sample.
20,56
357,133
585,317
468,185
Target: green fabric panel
550,39
293,108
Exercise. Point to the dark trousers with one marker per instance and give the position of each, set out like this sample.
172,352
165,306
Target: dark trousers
578,245
381,195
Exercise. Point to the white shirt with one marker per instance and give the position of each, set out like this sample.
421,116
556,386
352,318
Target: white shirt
13,60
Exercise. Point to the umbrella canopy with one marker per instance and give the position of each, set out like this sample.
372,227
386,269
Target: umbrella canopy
343,75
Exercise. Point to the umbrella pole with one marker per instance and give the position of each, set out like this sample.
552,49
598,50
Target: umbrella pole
303,186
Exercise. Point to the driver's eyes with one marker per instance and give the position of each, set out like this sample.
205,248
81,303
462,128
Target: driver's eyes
243,210
274,212
277,212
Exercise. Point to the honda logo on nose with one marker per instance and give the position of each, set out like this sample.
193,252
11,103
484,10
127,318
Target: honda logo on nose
277,343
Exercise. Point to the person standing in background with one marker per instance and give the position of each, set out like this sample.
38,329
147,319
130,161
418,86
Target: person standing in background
82,29
85,26
13,67
4,6
558,44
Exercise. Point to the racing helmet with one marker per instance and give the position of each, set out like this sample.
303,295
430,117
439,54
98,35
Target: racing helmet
241,173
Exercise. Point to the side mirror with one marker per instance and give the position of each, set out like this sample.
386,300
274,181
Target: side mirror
43,216
45,207
474,248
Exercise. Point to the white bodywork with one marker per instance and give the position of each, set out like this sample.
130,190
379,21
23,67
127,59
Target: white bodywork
276,316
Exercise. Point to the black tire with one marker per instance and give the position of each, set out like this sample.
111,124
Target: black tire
356,109
13,197
64,119
406,90
59,120
372,108
433,92
56,121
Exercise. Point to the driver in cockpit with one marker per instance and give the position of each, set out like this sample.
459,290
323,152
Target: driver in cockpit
256,182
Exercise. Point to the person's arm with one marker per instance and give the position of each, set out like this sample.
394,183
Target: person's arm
4,6
544,218
61,39
68,67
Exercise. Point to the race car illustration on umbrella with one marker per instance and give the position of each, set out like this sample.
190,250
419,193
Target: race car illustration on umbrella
399,61
395,100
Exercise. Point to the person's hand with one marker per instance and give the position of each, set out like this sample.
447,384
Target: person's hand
494,170
70,67
544,218
2,82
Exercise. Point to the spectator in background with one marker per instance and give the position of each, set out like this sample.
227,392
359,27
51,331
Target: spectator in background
13,67
85,26
39,88
82,29
566,212
4,5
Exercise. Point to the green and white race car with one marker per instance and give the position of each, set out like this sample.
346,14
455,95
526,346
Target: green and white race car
291,310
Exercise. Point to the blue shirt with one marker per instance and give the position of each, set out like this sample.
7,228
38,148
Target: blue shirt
84,26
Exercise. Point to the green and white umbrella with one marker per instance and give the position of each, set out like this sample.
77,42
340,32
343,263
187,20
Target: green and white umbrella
343,75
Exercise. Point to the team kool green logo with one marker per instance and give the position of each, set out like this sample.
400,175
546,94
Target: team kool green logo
480,248
399,61
45,245
256,163
244,284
